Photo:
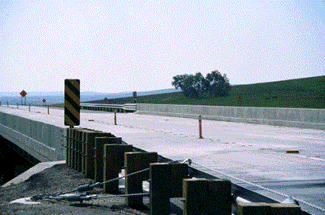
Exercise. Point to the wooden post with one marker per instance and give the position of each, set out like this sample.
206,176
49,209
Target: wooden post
136,161
159,189
165,183
195,192
113,162
89,152
99,154
219,197
68,147
206,197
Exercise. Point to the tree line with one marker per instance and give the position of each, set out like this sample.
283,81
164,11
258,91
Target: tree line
197,86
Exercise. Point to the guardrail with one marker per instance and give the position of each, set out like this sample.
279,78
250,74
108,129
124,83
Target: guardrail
123,108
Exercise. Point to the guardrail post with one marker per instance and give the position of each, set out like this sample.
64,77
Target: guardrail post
195,192
207,196
165,182
99,154
177,172
219,197
83,150
136,161
68,147
159,189
113,162
79,144
89,152
73,149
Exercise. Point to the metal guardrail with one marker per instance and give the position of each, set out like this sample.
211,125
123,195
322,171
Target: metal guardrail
109,107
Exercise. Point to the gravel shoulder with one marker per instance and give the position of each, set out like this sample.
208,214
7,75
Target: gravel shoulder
57,179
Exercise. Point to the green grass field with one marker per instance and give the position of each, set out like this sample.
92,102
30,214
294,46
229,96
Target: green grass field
298,93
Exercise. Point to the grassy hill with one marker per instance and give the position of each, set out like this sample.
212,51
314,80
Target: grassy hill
297,93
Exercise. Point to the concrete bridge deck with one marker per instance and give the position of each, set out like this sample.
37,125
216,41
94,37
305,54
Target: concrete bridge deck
238,151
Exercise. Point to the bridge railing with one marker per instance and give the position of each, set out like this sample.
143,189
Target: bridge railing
109,107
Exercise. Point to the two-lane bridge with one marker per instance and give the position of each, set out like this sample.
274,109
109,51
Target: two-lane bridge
253,156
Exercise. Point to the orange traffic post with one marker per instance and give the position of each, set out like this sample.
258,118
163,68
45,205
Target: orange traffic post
200,127
115,117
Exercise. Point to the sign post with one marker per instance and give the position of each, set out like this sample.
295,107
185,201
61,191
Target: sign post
71,102
135,96
23,94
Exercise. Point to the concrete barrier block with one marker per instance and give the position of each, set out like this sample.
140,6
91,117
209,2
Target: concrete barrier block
254,209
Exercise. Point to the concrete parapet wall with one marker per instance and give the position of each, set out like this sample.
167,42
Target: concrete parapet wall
291,117
43,141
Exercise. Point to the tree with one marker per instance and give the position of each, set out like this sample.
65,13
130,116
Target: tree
218,84
196,86
193,86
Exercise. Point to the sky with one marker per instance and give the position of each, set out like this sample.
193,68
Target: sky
117,46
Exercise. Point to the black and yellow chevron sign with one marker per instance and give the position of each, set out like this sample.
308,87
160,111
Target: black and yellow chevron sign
71,102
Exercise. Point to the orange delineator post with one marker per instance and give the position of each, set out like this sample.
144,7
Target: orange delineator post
200,127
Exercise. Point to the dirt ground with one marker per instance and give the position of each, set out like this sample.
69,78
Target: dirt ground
58,179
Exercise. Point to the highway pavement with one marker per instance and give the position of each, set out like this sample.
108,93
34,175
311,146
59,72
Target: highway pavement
255,156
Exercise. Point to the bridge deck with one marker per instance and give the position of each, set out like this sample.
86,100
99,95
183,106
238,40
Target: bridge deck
253,153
